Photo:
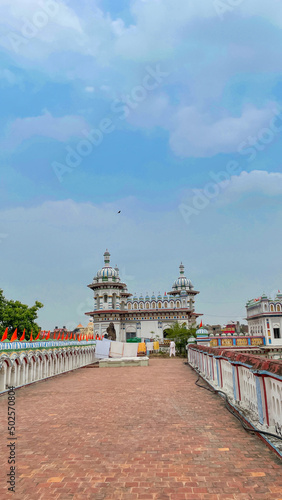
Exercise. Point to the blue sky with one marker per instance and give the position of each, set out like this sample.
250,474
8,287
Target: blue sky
182,103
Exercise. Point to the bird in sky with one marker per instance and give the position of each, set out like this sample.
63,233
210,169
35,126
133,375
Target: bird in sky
119,211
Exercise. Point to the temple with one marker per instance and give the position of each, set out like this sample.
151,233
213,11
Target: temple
143,317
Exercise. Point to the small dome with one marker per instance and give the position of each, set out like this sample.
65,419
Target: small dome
141,297
191,340
135,297
153,297
202,332
183,283
107,272
147,297
159,296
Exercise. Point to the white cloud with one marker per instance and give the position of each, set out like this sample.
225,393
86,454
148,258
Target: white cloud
257,182
45,125
200,135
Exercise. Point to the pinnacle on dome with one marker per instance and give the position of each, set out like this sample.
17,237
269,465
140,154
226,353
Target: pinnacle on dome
107,258
181,269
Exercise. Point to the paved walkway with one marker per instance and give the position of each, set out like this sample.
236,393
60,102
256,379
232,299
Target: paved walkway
133,433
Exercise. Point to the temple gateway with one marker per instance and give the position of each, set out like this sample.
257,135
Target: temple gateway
118,312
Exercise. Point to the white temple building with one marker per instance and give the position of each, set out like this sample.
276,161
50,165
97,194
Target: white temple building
143,317
264,316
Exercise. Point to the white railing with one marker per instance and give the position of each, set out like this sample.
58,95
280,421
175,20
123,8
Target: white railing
22,367
255,391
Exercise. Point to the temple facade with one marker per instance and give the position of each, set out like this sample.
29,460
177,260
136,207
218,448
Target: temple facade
264,316
143,317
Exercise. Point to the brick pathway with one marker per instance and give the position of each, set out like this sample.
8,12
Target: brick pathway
134,433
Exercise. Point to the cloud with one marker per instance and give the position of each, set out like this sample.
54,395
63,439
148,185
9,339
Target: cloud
267,185
201,53
58,128
200,135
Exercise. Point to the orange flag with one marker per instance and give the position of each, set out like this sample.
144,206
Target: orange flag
54,338
201,324
48,335
67,337
70,336
63,336
59,336
22,337
14,337
4,335
31,339
37,336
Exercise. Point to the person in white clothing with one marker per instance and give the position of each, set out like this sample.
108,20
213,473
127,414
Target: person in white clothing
172,348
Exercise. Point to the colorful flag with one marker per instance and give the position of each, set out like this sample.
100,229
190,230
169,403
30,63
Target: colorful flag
48,335
201,324
59,336
38,335
67,337
71,336
14,337
4,335
22,337
31,339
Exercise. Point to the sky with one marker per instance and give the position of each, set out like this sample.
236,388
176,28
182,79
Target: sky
169,111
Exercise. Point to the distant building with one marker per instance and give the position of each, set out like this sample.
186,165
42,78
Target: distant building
264,316
229,329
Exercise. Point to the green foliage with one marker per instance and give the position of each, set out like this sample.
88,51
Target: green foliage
14,314
180,334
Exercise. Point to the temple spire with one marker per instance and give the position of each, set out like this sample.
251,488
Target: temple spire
107,258
181,270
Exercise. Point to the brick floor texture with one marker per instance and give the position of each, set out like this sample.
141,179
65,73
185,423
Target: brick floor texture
133,433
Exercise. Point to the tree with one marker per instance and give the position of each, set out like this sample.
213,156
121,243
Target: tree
180,334
14,314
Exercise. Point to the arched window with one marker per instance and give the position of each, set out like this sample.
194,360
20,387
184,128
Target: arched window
159,305
129,305
165,305
272,308
172,304
141,306
178,304
135,306
278,308
154,305
105,298
147,305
